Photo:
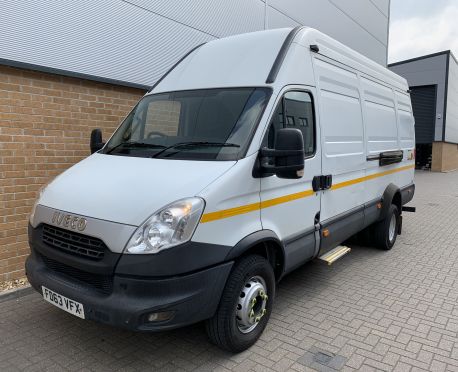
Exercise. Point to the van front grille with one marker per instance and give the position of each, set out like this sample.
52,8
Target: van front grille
84,279
73,243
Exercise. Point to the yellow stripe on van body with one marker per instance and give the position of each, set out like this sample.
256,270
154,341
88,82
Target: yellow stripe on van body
286,198
231,212
370,177
226,213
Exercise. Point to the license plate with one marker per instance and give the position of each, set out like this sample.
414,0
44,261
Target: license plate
63,302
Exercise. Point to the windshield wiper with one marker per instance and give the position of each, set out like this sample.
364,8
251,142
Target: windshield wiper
194,144
135,144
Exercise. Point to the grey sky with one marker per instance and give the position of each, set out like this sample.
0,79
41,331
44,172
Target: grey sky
401,9
420,27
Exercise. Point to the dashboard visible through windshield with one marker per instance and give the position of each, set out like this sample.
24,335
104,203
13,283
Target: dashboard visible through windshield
206,124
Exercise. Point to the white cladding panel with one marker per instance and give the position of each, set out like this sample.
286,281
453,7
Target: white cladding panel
136,41
451,124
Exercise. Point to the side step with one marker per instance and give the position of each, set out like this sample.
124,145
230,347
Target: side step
334,254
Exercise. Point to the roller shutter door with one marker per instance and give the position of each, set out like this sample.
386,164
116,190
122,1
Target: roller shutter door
424,111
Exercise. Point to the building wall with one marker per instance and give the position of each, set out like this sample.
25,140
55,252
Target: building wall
451,125
445,157
360,24
136,41
45,125
427,71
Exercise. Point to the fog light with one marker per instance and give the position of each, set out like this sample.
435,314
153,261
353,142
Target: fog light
159,317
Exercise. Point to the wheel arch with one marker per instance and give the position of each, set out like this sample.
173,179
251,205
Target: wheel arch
265,243
391,195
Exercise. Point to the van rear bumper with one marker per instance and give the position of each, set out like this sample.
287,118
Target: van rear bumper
191,298
407,193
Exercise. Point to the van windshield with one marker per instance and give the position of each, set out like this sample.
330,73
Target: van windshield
207,124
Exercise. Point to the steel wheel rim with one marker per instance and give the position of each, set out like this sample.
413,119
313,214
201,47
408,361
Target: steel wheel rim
252,304
392,228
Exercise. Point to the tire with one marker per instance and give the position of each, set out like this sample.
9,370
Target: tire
227,329
384,237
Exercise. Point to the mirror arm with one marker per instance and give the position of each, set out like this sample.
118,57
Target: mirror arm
97,147
100,145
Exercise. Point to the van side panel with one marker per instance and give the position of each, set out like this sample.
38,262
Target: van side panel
342,136
405,121
406,132
361,117
380,117
379,111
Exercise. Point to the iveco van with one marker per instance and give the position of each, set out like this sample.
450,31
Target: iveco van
253,155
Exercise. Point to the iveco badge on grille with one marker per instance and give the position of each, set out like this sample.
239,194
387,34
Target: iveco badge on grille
69,221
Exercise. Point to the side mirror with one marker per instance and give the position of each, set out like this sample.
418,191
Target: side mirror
96,140
288,155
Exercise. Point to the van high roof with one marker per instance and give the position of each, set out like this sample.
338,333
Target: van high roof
249,59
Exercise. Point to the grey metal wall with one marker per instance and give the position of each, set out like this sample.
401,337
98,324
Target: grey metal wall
136,41
360,24
451,125
427,71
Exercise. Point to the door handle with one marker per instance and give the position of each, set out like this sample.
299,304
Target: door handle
322,182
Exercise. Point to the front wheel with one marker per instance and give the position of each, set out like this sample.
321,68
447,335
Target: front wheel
245,305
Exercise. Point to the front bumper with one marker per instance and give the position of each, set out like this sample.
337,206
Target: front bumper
192,297
126,300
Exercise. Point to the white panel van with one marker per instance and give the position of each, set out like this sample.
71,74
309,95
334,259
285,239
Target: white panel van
253,155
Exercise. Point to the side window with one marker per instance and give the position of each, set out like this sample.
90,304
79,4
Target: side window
294,111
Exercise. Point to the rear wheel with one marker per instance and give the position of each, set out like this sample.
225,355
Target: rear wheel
245,305
386,231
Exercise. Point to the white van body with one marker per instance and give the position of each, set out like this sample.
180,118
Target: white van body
358,132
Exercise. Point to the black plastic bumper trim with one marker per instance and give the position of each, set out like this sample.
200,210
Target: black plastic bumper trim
192,298
407,193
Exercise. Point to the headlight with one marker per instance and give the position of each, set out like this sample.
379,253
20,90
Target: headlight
170,226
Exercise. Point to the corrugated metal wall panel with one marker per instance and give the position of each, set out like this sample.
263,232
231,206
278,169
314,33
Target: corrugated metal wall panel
382,5
217,17
366,15
328,18
424,111
105,38
138,40
276,19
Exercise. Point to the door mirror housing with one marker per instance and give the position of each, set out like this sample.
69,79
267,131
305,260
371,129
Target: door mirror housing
286,160
96,140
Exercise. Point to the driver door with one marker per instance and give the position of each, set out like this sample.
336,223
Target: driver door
290,208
